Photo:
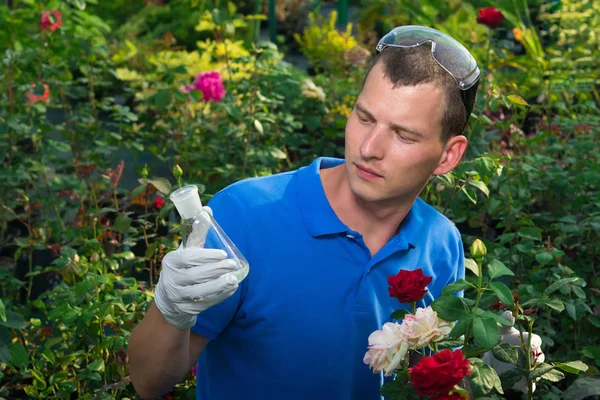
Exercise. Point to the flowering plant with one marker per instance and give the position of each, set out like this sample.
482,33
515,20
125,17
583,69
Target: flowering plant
454,348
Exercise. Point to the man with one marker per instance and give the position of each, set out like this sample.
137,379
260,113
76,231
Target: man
321,242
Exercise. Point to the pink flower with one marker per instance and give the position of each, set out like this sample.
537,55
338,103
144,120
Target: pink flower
210,84
195,370
51,20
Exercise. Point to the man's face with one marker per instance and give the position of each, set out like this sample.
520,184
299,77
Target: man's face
393,140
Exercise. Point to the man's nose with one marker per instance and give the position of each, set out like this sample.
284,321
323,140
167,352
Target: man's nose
374,143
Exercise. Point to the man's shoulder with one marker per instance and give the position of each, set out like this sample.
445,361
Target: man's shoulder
257,191
433,220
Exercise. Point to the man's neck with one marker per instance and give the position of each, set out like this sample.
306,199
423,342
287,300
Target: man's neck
378,223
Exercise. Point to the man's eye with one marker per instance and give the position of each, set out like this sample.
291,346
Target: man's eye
364,120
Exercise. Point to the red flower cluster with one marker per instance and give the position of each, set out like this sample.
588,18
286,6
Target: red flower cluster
448,368
51,20
159,203
33,98
490,17
408,286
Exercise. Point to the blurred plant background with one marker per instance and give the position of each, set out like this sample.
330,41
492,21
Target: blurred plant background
101,118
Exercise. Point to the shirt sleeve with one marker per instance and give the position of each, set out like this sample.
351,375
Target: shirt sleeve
228,214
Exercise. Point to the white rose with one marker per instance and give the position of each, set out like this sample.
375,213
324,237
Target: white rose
387,348
510,335
424,328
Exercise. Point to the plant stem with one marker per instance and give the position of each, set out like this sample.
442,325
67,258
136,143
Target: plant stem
479,293
528,350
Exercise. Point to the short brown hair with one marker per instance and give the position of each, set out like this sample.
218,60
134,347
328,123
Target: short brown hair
416,65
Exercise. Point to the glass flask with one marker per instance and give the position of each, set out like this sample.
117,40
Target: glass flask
195,221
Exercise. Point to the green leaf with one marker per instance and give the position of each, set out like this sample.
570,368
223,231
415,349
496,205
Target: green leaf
126,255
572,367
97,365
553,376
471,265
13,320
481,186
516,99
531,233
496,269
558,284
57,377
166,210
577,309
39,380
459,329
399,314
18,355
4,353
485,331
7,214
503,292
122,223
450,308
161,184
258,126
583,387
510,377
483,380
454,287
138,191
161,99
553,303
594,320
540,370
2,311
31,391
494,316
506,353
277,153
470,194
544,258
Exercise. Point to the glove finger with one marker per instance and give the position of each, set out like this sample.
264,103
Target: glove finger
195,307
203,273
200,227
205,291
193,256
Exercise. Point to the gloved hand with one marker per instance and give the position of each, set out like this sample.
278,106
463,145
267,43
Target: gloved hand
193,279
510,335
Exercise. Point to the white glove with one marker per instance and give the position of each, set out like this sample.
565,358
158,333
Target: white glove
511,336
193,279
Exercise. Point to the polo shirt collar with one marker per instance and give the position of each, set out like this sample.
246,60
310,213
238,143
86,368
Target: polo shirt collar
320,219
317,214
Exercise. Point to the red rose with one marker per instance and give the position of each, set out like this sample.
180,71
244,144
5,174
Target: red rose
51,20
451,396
438,374
490,17
159,203
408,286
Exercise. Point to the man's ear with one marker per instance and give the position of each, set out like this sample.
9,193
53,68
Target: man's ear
453,152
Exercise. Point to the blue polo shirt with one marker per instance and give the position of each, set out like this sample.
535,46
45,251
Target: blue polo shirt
297,327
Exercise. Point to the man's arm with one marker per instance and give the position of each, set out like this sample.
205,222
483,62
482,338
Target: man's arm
160,355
